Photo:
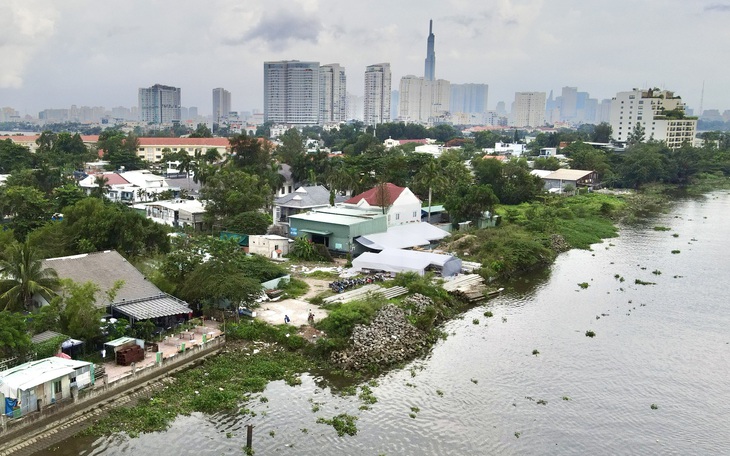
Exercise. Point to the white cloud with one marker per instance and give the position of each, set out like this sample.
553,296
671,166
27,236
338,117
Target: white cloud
25,26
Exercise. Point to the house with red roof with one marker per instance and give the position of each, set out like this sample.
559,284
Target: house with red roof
401,204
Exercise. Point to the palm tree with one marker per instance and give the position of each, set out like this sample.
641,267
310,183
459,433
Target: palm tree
431,176
23,277
212,155
101,185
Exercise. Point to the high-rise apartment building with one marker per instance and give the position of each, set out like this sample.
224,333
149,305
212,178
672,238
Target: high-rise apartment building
221,105
661,113
423,101
333,94
159,104
291,92
528,109
469,98
377,94
429,73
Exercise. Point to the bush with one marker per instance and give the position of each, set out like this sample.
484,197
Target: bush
343,317
260,331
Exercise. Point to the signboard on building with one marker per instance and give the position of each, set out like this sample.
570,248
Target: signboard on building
293,231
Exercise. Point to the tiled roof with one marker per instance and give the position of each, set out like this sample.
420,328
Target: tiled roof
103,269
371,196
307,197
113,179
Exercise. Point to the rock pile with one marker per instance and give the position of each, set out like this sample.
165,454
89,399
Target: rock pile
387,340
418,302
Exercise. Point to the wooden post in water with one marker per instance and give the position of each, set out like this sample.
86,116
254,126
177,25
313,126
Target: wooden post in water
249,435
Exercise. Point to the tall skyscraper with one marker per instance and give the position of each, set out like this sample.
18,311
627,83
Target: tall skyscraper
377,94
528,110
429,73
221,104
333,93
159,104
291,92
469,98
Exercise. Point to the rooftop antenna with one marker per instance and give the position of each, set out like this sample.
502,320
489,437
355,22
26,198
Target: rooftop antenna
702,98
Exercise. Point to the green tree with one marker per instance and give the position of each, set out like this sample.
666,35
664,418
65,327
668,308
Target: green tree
602,133
251,222
549,163
642,164
24,277
431,177
291,148
27,208
637,135
80,317
14,336
202,131
13,157
120,150
470,202
231,191
220,284
47,318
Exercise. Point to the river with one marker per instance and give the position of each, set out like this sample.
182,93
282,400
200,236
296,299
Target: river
482,391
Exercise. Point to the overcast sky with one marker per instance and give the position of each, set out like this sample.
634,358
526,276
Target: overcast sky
98,53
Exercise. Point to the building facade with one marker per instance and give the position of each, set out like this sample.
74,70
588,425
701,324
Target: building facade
661,113
528,109
469,98
159,104
333,93
291,92
377,94
423,101
221,105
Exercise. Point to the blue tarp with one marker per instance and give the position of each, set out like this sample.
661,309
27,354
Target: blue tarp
10,404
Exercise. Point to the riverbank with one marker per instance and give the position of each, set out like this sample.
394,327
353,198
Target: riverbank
231,381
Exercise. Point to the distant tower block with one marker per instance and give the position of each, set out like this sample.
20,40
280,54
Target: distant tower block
430,71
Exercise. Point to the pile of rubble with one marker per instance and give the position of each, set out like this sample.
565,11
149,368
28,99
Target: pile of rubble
387,340
418,303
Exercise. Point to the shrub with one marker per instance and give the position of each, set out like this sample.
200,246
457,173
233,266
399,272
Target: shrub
343,317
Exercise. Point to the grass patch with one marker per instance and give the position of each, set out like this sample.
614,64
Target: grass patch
293,288
322,275
661,228
488,314
221,383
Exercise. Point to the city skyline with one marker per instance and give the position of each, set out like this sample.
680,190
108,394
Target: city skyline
60,54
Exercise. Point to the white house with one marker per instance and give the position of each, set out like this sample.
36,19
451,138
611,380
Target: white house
128,187
176,213
269,245
402,206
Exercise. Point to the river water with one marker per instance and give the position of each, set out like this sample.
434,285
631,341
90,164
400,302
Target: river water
481,390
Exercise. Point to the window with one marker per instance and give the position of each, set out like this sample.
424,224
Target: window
414,213
57,387
397,216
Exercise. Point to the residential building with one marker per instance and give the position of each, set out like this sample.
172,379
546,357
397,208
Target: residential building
221,105
150,149
355,107
429,73
399,203
528,109
128,187
469,98
34,385
333,94
557,181
137,299
291,92
377,94
178,213
661,113
159,104
397,260
423,101
301,200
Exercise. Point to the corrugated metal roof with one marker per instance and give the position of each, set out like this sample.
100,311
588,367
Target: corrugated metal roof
45,336
403,236
155,307
568,174
35,373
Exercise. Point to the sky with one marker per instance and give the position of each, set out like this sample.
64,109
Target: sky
99,53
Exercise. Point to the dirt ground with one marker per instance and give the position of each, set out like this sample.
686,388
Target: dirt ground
297,309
